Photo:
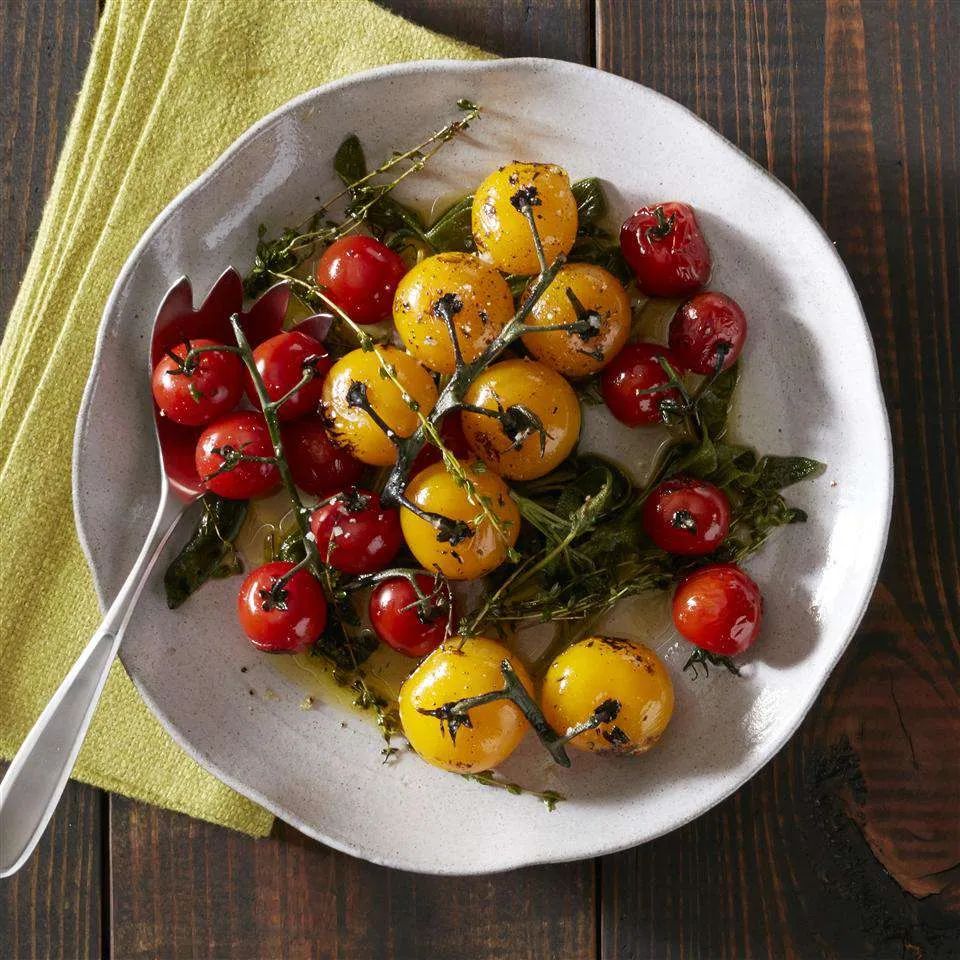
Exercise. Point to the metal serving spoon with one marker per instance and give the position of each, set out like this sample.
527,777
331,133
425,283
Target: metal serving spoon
33,784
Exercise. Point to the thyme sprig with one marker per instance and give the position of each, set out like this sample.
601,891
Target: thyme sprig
490,778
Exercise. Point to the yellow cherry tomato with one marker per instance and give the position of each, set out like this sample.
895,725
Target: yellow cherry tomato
599,669
473,294
351,425
502,232
449,674
435,490
511,446
602,295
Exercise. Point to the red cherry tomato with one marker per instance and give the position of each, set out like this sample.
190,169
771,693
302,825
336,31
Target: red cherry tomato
355,534
399,622
686,516
282,361
632,371
194,394
226,441
318,465
360,275
708,331
666,250
719,608
282,617
454,439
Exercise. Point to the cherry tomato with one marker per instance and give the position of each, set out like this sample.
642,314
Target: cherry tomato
318,465
220,452
719,608
455,670
398,618
435,490
541,419
350,423
634,370
666,251
282,361
502,232
707,332
625,679
451,433
602,296
458,286
282,617
355,533
194,394
686,516
360,275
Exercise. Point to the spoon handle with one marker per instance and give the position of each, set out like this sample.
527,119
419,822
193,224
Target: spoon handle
33,784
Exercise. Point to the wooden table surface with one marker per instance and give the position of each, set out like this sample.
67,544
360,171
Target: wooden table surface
847,844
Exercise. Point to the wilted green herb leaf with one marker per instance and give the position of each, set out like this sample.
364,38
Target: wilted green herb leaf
349,162
591,201
453,229
775,473
209,552
714,403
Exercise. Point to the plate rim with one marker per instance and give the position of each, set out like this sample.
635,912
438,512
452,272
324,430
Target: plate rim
506,862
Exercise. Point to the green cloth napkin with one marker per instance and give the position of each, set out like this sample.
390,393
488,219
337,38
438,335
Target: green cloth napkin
171,84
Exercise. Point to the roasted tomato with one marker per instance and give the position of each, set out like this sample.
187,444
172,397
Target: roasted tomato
450,288
234,457
282,362
360,275
358,398
629,385
580,290
666,251
436,491
194,393
355,533
719,608
453,672
503,233
536,423
622,678
707,333
411,624
317,464
282,615
686,516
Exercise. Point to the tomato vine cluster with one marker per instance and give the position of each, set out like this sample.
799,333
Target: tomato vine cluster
475,388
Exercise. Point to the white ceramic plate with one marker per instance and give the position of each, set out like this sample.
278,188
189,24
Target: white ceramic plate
809,387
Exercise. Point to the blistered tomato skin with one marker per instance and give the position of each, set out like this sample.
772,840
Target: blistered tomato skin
354,533
450,674
243,433
625,381
281,619
351,425
666,250
502,232
510,447
719,608
456,285
598,670
707,333
599,293
196,393
686,516
360,275
398,620
282,361
434,490
317,464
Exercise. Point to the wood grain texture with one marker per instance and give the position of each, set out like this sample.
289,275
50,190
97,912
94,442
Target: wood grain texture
854,106
53,906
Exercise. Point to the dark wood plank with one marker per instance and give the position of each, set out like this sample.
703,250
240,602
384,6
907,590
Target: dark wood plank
854,107
193,890
183,888
53,907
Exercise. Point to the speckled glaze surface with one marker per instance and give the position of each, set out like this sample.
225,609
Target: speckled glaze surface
809,386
